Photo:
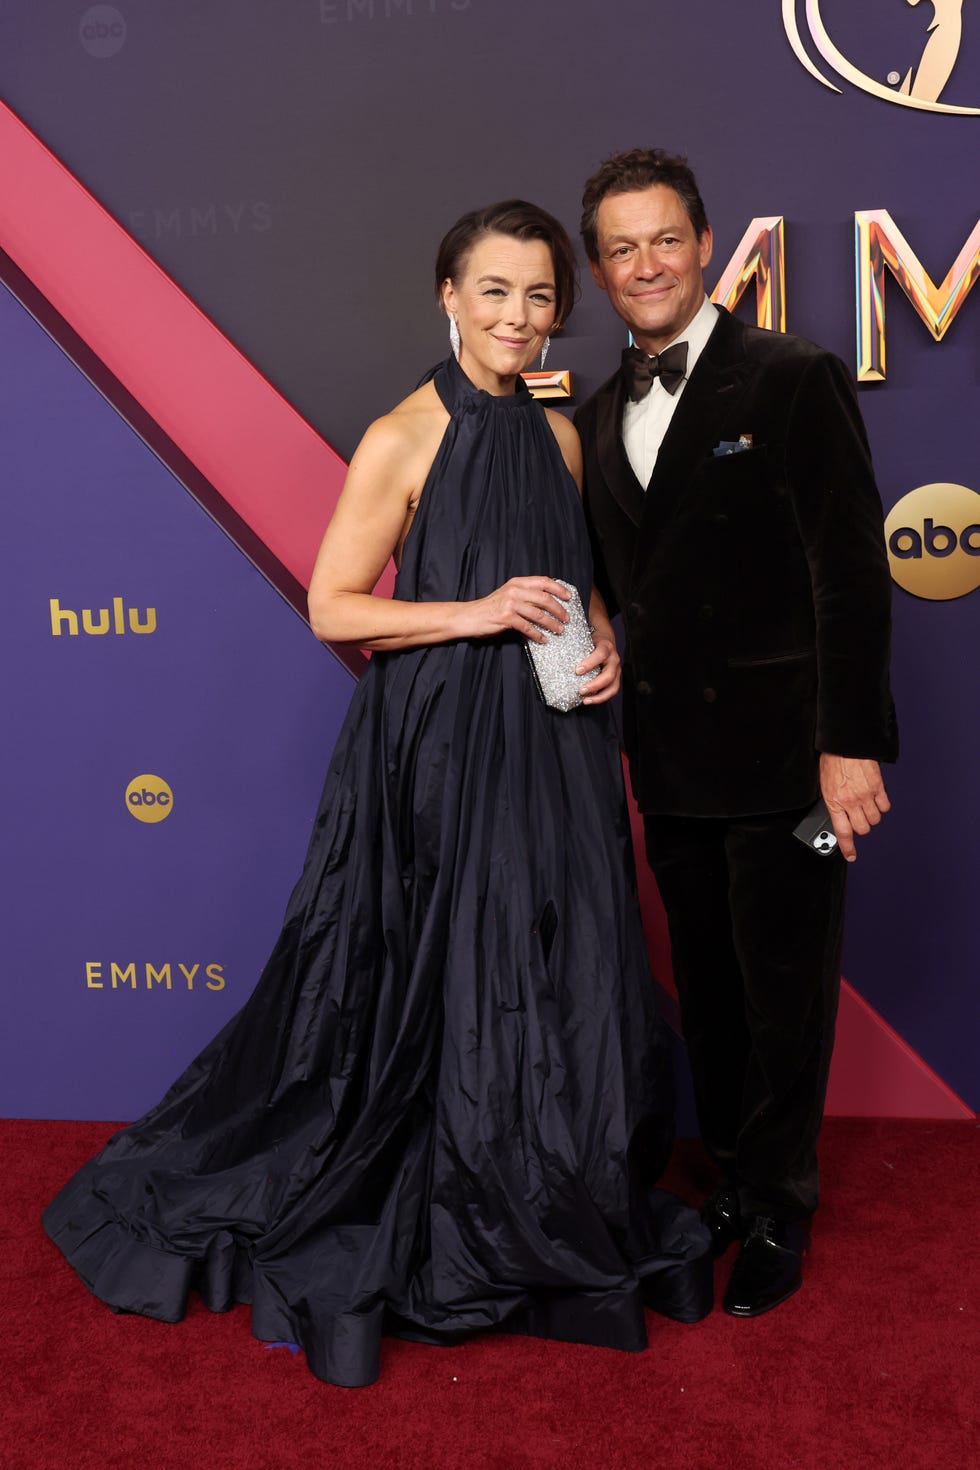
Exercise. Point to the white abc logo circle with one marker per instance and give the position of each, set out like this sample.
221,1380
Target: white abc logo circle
102,31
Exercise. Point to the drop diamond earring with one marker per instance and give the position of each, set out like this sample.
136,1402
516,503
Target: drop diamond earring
544,349
454,337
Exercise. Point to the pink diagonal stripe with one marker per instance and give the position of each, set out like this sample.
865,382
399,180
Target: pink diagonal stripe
261,456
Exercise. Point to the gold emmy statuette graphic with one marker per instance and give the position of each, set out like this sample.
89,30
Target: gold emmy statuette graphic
941,51
149,798
921,87
933,537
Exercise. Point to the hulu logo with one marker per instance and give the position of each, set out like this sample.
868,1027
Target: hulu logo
106,620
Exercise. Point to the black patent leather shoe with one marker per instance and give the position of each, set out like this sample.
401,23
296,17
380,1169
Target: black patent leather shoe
723,1217
769,1267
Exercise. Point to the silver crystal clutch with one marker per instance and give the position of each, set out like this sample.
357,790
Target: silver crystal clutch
553,662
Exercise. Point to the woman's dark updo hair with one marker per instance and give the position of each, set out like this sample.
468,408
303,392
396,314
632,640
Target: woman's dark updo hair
522,221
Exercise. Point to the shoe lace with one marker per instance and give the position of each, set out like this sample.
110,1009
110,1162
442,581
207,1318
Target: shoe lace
763,1225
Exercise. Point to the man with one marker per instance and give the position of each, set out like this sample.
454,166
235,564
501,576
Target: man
738,530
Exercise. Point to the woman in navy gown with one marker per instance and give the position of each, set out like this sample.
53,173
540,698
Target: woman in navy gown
446,1105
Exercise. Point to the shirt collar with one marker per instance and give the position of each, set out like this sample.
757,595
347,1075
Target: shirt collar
697,332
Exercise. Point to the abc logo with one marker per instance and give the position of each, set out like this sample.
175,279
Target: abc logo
102,31
149,798
933,537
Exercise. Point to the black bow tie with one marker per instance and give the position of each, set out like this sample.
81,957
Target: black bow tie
640,369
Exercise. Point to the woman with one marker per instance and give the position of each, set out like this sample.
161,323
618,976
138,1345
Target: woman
444,1106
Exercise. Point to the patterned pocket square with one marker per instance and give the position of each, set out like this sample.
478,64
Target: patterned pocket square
733,446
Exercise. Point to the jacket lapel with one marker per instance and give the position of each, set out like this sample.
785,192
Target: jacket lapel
613,462
706,403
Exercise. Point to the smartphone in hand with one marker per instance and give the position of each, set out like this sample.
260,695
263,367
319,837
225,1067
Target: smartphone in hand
816,830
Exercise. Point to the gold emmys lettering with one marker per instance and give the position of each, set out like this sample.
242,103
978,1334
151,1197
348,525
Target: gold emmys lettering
108,975
923,84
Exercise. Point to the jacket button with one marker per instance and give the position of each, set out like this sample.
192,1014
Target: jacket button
706,613
636,609
709,695
643,687
721,519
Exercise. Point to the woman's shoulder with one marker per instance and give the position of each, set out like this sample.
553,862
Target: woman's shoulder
568,441
418,411
410,425
562,428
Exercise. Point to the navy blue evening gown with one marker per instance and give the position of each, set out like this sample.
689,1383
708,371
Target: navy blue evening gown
445,1107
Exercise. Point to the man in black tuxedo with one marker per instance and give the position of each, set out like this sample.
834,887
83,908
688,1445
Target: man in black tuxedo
738,530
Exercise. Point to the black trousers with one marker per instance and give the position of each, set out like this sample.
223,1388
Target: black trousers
756,921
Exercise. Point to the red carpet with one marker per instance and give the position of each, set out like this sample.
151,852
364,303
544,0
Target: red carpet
874,1364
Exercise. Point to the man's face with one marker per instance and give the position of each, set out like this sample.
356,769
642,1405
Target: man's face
650,263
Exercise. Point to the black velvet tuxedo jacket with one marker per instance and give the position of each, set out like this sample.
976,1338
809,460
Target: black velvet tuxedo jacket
754,586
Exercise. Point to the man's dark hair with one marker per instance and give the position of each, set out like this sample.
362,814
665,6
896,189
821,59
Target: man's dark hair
624,173
522,221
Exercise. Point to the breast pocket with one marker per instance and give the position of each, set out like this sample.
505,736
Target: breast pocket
744,465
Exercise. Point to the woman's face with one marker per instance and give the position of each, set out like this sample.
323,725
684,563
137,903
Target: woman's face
504,305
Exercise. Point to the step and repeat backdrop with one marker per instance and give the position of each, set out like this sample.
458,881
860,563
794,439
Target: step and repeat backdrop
292,166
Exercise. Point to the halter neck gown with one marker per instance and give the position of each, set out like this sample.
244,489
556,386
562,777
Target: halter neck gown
446,1104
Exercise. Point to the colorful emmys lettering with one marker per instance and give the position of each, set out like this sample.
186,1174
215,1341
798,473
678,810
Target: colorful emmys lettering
880,247
922,85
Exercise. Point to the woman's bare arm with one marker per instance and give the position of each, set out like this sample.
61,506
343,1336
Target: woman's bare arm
373,512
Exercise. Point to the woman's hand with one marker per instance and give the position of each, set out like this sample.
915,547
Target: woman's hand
524,604
607,660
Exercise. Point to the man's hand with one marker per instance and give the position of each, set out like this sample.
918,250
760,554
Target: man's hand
855,795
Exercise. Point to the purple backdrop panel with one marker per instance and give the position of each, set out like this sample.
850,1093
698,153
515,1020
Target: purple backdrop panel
912,944
138,644
298,191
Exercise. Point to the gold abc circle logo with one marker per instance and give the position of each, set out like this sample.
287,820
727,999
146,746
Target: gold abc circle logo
149,798
933,537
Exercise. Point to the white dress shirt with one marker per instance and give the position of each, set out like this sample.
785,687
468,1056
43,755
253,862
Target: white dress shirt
645,423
